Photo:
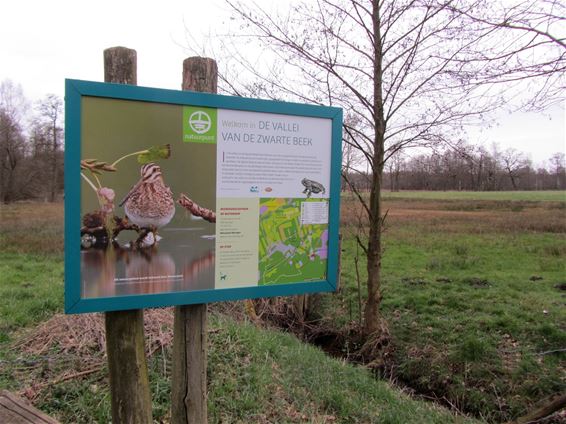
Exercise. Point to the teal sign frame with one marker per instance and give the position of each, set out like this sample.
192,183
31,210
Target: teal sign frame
75,90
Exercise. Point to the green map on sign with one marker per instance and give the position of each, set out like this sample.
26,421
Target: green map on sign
288,251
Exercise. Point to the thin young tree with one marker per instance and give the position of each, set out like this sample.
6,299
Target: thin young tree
50,113
407,72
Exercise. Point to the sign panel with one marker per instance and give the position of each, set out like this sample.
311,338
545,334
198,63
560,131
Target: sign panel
174,197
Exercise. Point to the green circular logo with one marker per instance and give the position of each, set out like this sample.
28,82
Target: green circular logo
200,122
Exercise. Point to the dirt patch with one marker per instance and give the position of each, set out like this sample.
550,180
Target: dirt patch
414,281
477,282
509,352
443,280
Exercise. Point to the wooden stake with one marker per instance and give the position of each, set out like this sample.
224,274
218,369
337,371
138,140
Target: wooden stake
188,380
188,391
127,365
120,66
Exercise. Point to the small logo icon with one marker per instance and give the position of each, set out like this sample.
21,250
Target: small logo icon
222,276
254,189
268,189
200,122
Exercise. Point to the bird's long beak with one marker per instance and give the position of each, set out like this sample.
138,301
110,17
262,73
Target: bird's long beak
134,188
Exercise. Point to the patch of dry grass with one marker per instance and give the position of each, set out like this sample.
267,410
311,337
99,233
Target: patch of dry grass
32,228
472,217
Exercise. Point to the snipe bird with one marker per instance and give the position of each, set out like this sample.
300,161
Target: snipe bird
149,204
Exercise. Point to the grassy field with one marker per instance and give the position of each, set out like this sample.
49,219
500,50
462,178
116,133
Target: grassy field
533,196
255,375
474,296
31,264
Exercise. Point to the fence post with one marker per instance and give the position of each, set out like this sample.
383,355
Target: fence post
188,380
127,364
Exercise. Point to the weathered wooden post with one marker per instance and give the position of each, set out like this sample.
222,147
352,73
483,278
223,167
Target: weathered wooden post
189,389
127,365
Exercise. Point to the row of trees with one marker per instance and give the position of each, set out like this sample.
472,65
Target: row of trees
473,168
31,146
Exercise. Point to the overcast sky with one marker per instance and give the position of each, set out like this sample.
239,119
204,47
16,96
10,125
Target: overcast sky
42,43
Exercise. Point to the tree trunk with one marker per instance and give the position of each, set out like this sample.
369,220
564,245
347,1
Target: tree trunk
513,182
9,195
371,313
2,173
54,164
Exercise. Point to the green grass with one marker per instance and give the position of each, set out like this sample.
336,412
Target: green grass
469,293
258,376
302,383
538,196
472,304
31,264
255,376
31,289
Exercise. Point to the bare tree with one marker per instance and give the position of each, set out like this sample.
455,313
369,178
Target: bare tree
408,72
352,160
558,166
395,166
476,168
50,133
512,162
524,48
13,106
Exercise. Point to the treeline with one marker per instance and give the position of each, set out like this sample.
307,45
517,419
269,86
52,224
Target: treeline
31,159
470,168
31,146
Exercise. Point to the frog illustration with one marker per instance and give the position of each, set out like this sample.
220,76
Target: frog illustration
312,187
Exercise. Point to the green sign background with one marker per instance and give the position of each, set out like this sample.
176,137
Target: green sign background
199,125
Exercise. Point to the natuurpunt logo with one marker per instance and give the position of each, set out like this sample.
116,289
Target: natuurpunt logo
199,124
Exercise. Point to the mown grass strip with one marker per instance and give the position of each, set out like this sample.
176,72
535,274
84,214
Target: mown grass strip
539,196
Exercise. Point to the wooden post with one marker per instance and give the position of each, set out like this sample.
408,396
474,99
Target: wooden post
120,66
127,365
188,391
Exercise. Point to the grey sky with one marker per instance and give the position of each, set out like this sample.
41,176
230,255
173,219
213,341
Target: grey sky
42,43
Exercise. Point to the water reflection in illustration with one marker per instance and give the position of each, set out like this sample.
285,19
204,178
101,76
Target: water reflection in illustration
183,260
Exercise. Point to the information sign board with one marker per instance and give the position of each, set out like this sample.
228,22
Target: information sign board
177,197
